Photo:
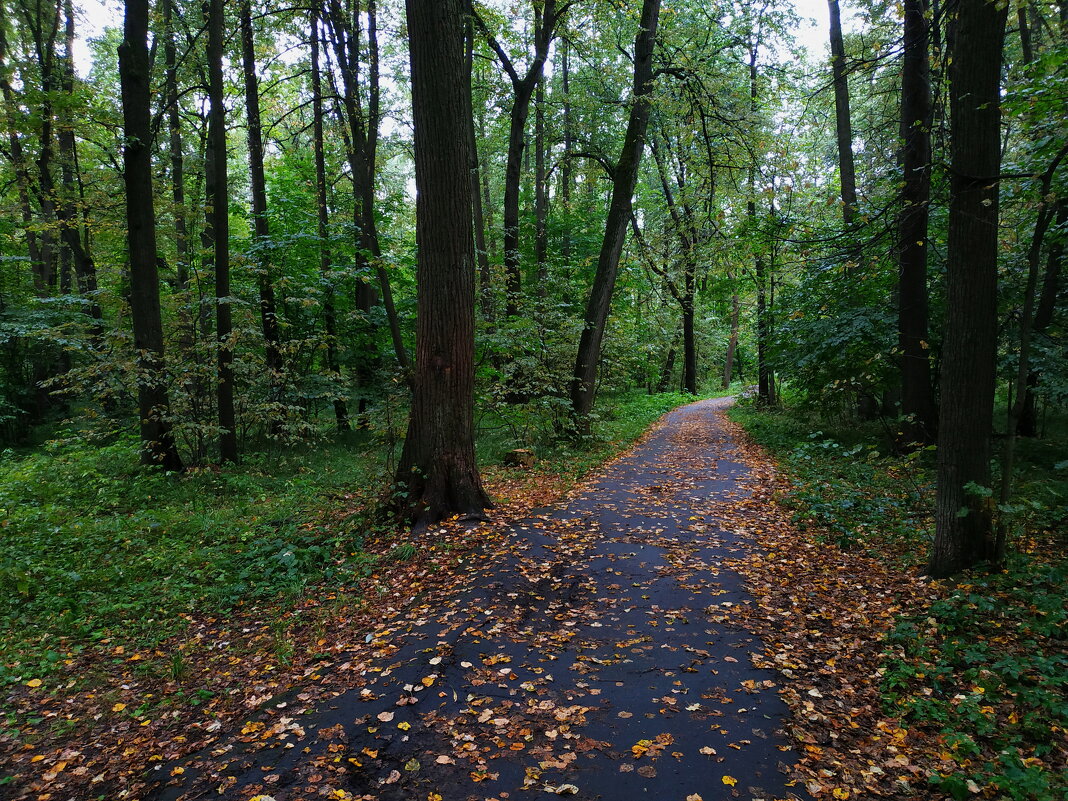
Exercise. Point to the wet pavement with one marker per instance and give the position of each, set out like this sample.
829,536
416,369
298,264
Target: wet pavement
589,656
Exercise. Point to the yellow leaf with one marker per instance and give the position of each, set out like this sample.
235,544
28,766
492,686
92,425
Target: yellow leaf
404,725
427,681
433,797
730,781
178,771
840,793
33,683
118,707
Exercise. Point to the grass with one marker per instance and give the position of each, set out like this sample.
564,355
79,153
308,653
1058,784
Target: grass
96,547
98,550
985,667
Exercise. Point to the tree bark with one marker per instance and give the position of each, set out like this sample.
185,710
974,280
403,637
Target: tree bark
437,474
157,441
917,392
964,508
584,381
218,201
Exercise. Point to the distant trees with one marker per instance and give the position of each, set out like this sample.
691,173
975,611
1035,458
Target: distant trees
293,269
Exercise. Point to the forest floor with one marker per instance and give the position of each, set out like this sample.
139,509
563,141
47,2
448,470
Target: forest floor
663,632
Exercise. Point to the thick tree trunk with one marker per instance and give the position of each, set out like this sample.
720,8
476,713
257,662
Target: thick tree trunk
917,392
584,381
438,475
157,442
258,181
842,118
964,533
218,200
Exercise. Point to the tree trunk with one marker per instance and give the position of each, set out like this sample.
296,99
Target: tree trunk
438,475
1047,304
541,197
261,229
218,201
157,442
584,381
485,277
917,392
545,19
732,342
566,177
22,176
963,533
843,124
341,412
668,369
67,197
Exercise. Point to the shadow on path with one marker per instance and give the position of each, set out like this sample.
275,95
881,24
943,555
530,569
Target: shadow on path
590,650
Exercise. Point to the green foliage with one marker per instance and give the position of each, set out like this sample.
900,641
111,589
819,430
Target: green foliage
845,486
987,665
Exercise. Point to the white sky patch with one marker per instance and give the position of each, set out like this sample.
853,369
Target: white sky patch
96,15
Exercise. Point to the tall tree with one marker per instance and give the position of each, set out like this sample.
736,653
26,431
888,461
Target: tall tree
258,181
157,441
964,513
546,18
218,203
437,471
842,117
624,177
341,413
362,145
917,392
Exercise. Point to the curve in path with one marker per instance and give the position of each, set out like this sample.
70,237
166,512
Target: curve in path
588,656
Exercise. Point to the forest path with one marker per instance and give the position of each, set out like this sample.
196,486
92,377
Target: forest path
590,650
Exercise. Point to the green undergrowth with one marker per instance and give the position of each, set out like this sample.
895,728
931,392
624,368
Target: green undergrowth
985,667
99,550
96,547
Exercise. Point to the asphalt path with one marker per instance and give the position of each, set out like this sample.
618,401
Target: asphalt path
588,656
